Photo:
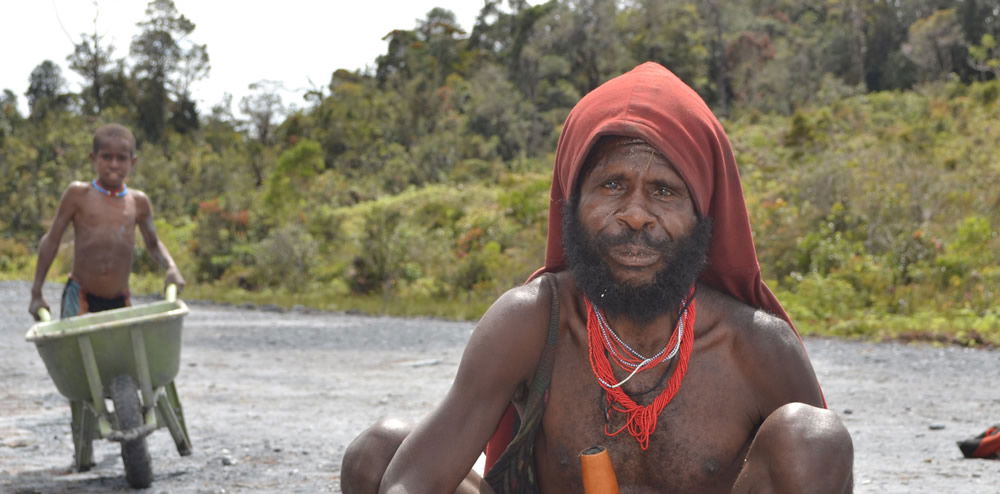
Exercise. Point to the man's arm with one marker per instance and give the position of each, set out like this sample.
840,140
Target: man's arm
501,355
156,249
48,246
781,368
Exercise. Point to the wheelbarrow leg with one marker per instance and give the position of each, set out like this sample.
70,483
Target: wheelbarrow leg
169,406
84,427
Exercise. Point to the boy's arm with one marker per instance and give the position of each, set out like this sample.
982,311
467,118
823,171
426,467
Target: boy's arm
48,246
156,248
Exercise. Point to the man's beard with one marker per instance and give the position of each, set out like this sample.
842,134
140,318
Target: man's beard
685,260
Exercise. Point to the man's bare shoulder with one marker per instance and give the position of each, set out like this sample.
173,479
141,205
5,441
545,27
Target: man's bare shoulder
748,325
765,346
517,320
525,306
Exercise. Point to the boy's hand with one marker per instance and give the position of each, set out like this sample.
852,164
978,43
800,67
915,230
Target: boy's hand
37,303
174,276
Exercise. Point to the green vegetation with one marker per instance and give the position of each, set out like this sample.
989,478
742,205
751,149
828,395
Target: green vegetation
867,135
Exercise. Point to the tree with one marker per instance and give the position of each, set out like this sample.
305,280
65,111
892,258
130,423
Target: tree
584,34
673,34
846,21
10,117
92,60
985,56
501,37
165,61
931,42
979,18
263,109
441,37
45,90
396,63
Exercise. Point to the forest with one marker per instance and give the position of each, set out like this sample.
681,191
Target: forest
867,134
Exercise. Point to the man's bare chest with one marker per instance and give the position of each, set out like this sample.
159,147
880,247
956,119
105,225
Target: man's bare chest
697,445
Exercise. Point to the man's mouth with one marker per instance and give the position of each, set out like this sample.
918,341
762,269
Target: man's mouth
632,255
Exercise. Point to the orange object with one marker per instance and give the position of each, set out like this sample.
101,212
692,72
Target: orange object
598,472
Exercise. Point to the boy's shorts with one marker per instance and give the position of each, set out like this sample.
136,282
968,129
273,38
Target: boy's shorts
76,301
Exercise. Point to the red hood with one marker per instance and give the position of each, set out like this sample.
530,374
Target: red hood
651,103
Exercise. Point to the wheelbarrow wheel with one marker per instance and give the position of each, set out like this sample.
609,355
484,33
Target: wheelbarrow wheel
138,468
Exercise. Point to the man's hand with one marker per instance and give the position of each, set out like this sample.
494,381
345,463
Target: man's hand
174,276
37,302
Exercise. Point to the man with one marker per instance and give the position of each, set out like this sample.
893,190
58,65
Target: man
668,350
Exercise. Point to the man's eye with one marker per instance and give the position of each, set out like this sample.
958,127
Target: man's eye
612,185
664,191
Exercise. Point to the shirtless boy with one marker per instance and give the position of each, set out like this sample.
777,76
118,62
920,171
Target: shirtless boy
648,332
104,214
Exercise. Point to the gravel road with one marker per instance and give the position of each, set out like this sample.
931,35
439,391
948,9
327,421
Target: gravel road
272,398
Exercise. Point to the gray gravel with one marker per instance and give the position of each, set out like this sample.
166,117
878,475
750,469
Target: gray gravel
272,398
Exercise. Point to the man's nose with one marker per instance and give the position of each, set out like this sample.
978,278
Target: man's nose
635,213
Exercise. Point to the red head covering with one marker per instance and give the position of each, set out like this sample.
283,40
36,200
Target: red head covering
651,103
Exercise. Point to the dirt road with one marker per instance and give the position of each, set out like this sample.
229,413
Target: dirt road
272,398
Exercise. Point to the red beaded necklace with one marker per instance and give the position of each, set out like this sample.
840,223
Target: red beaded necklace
640,420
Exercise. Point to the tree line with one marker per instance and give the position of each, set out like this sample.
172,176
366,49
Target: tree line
425,177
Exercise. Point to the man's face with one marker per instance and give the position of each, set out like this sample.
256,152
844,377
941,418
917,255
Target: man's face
113,161
634,241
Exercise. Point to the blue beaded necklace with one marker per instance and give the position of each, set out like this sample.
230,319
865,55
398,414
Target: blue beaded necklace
107,192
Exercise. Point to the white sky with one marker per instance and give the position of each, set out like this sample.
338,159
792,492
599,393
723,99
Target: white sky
291,41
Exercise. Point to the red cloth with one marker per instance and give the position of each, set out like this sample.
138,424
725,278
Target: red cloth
651,103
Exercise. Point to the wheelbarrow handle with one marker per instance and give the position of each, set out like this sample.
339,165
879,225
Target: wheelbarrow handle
43,314
170,293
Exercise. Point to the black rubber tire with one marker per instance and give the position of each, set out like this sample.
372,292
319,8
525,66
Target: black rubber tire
135,455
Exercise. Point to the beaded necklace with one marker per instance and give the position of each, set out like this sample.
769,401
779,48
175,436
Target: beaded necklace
640,420
102,190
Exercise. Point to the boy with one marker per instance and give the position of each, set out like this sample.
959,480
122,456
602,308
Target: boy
104,214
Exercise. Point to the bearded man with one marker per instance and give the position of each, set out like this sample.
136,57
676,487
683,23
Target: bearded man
648,332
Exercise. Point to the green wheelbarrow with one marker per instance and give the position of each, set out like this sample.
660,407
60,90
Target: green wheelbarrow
129,356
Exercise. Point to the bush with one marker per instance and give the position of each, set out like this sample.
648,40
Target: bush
285,258
15,258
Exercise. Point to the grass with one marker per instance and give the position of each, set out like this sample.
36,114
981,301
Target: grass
952,327
323,298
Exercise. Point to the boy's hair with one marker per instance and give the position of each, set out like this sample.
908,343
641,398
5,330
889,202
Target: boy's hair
108,131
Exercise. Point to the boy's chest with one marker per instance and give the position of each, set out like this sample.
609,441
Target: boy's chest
112,217
697,445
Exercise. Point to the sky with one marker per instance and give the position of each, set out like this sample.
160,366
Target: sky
298,43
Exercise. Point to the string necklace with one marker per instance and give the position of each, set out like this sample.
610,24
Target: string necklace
633,360
640,420
102,190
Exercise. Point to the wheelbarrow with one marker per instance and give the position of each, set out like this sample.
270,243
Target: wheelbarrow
129,356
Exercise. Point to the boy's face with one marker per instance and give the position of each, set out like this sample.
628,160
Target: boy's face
113,161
